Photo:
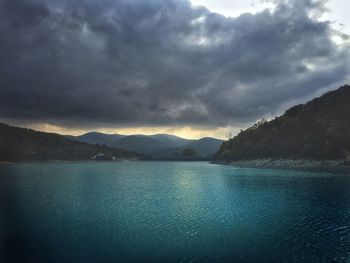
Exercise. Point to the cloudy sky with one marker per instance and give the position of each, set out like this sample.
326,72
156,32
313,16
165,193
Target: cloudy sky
153,66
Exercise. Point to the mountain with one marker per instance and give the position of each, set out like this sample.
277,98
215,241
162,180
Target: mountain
170,140
203,147
163,144
97,137
20,144
317,130
139,143
152,144
149,143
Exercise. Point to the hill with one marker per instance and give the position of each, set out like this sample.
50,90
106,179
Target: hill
97,137
170,140
159,144
204,147
317,130
20,144
139,143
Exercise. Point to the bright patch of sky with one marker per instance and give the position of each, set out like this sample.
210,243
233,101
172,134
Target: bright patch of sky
338,10
339,14
233,8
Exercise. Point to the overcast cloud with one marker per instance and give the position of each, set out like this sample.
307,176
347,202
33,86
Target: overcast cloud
161,62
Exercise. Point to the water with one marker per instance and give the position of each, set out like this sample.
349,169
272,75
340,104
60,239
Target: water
172,212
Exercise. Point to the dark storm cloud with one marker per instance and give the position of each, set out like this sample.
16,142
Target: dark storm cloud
160,62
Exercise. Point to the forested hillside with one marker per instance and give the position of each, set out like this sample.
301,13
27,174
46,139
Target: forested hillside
20,144
319,130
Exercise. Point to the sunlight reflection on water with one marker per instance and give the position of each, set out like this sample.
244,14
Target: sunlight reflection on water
172,211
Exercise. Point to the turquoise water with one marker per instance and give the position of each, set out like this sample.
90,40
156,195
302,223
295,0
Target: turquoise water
172,212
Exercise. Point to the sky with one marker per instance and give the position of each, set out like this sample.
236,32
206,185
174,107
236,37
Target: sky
193,69
336,10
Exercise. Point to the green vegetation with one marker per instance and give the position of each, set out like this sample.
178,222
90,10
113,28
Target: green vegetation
158,144
318,130
189,152
205,147
19,144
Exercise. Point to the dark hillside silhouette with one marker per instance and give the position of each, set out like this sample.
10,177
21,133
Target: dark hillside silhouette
20,144
318,130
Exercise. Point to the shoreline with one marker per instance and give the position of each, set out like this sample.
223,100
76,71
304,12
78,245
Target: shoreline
101,161
286,163
258,163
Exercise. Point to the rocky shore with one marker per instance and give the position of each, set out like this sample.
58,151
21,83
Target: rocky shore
286,163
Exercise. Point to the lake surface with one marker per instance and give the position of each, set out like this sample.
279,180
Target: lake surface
172,212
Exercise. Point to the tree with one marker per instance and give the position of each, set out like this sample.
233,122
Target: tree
259,123
229,135
189,152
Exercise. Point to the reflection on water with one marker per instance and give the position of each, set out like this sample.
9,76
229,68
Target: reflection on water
172,211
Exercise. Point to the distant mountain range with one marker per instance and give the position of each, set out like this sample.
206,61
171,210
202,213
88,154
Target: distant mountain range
159,144
317,130
206,146
20,144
